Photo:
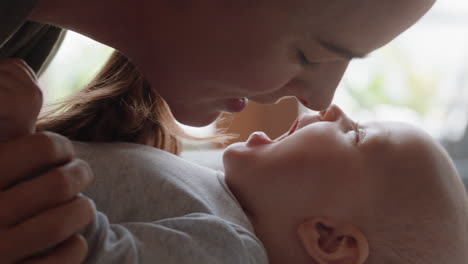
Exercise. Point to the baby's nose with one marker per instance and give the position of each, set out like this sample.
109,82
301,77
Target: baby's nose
336,114
332,113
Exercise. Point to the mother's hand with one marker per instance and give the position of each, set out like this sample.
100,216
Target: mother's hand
20,99
39,213
41,210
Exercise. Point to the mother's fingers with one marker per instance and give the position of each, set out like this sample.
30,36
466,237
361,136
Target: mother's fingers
20,99
25,67
43,192
71,251
32,154
18,70
46,230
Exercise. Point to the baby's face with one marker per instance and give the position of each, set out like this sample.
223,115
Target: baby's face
215,53
326,164
321,160
377,177
368,175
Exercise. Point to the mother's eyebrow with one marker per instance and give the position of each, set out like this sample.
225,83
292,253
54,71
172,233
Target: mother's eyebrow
341,51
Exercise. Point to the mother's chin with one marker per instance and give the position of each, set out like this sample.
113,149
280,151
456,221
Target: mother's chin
192,116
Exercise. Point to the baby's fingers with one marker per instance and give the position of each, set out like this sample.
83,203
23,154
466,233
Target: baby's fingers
72,251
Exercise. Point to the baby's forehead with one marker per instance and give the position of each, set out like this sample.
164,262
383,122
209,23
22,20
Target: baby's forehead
394,137
414,160
402,152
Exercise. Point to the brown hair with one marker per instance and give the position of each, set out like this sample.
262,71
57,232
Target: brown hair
118,105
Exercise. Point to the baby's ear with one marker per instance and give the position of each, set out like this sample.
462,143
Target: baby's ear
330,243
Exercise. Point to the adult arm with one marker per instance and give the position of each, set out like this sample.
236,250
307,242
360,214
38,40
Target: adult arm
193,238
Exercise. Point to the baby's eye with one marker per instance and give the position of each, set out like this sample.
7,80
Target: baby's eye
360,133
357,132
304,61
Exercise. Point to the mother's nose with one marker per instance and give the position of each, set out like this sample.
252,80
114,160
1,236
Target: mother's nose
317,86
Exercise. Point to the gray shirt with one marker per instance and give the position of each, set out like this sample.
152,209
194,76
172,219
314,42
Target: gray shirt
157,208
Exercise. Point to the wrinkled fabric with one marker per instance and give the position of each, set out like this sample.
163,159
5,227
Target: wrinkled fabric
154,207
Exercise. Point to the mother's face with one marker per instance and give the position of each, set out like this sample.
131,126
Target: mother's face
207,56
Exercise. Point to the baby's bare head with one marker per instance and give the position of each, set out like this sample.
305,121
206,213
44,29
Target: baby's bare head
419,213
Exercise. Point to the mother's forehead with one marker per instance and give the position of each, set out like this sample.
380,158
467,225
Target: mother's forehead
362,25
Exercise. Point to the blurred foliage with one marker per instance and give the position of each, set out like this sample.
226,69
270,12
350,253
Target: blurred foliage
419,89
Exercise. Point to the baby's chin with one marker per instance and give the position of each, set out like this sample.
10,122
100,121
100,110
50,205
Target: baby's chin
234,152
232,156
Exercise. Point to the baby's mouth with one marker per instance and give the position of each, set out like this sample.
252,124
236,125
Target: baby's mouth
291,130
302,121
293,127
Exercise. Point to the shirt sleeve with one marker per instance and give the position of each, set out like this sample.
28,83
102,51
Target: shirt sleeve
193,238
33,42
13,14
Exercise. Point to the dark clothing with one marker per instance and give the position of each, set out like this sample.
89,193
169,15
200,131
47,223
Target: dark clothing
19,38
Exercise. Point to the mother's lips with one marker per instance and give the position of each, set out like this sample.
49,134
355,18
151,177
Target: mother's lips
236,105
